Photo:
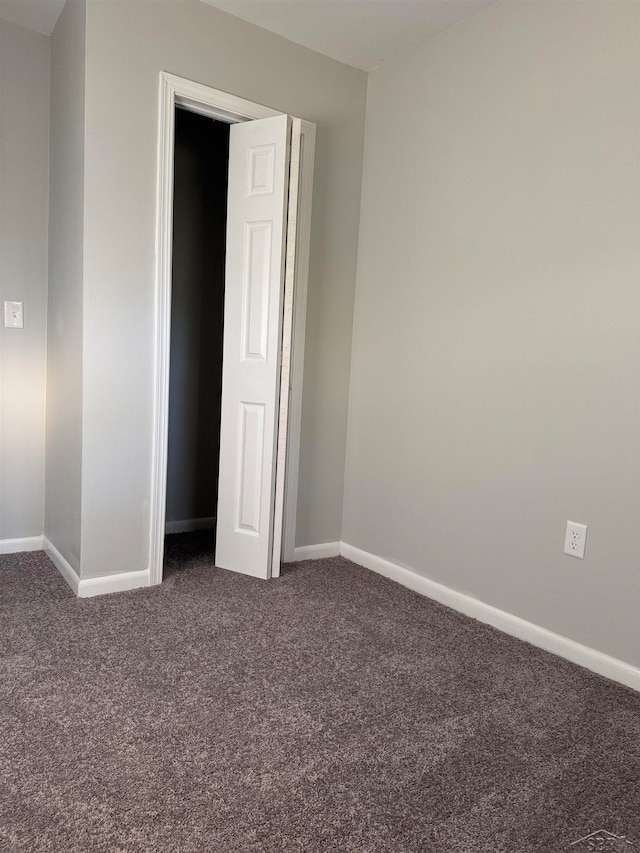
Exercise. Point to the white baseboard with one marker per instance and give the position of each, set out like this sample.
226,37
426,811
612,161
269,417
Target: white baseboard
65,568
88,587
591,659
15,546
603,664
188,525
113,583
317,552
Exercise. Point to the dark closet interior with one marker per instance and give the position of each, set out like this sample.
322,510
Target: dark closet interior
197,305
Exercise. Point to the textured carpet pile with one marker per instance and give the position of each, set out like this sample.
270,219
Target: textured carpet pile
330,710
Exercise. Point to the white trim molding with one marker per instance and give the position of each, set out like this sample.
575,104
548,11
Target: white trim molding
602,664
16,546
317,552
188,525
596,661
301,286
62,565
88,587
121,582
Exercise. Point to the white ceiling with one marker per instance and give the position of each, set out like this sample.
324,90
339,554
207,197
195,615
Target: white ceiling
40,15
362,33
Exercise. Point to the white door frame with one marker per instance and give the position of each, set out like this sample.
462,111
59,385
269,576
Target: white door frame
177,91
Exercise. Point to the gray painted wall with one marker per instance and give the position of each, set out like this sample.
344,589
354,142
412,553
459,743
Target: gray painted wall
24,191
495,370
201,165
65,315
128,44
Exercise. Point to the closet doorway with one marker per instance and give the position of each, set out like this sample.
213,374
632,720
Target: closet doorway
234,205
201,165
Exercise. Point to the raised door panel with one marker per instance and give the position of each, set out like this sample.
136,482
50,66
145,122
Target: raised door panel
256,226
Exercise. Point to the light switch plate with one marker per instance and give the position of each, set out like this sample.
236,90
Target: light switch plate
13,316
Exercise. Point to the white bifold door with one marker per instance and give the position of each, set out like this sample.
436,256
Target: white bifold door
259,159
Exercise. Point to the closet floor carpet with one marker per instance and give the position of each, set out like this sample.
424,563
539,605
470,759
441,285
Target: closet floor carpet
330,710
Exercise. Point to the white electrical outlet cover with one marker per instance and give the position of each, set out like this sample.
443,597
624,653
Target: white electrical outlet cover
13,317
575,539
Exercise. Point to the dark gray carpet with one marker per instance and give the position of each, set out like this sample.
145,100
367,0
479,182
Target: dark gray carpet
330,710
